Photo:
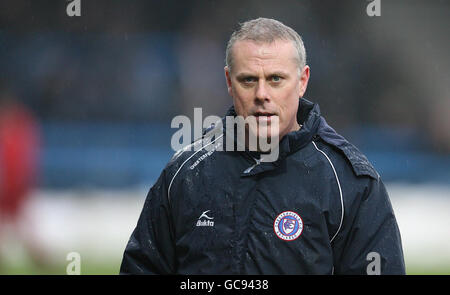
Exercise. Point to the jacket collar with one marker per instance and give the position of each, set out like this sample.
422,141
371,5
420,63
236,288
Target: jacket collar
314,126
308,115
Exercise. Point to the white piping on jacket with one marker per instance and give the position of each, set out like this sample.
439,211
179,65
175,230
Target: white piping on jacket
170,184
340,190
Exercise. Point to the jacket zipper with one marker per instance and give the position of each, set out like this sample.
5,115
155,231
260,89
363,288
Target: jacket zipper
249,169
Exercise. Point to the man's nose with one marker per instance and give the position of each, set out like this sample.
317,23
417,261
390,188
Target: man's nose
262,92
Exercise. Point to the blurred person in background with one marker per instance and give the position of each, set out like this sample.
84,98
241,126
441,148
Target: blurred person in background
19,142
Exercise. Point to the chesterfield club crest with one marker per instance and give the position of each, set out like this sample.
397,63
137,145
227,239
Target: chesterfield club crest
288,226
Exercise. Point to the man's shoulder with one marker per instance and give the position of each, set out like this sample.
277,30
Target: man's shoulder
346,152
193,152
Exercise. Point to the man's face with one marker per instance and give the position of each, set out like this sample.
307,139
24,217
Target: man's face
265,82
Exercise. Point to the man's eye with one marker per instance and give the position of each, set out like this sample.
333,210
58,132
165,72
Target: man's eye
249,79
276,78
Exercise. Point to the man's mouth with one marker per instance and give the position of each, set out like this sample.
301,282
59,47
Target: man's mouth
264,116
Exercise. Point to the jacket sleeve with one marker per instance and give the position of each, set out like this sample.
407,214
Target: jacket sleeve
150,249
369,242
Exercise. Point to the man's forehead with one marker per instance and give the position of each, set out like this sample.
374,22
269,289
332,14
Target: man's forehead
246,52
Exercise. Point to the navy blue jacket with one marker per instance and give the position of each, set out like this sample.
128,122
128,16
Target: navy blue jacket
321,208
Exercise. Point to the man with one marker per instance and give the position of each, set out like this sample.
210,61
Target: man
19,151
319,208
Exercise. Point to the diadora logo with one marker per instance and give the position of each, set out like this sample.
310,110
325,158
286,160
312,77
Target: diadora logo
205,220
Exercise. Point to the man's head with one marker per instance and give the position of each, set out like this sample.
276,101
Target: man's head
266,73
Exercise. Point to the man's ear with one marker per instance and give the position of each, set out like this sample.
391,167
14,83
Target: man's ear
228,80
304,78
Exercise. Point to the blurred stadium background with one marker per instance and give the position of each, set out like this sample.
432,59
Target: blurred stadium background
97,94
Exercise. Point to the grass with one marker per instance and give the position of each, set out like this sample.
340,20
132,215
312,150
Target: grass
87,268
96,268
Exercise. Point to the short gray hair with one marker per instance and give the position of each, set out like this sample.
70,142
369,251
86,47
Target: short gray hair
266,30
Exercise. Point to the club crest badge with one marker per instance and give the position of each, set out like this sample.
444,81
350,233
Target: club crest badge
288,226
